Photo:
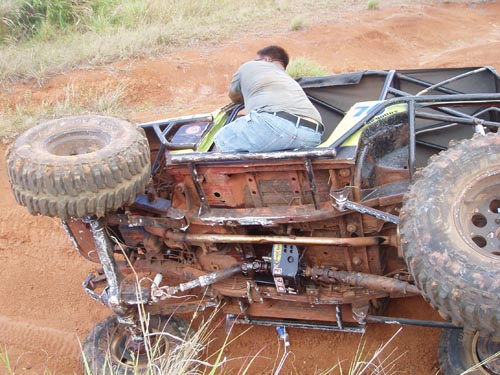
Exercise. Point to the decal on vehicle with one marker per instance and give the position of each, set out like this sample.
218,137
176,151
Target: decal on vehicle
280,284
277,251
355,113
194,129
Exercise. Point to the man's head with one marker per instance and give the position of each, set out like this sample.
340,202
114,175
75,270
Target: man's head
274,53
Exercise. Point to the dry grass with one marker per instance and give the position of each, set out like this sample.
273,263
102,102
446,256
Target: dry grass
107,99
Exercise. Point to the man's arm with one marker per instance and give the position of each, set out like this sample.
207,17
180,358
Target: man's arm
235,97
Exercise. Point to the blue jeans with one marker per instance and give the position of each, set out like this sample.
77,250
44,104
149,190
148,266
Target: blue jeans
262,132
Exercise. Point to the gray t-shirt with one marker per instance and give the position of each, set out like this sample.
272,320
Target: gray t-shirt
268,88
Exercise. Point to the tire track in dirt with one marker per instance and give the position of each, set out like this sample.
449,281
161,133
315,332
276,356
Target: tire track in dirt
36,338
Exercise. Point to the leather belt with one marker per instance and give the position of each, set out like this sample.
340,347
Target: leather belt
301,121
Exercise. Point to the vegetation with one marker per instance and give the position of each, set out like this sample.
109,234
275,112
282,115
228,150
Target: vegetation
105,100
5,360
373,4
304,67
43,37
297,23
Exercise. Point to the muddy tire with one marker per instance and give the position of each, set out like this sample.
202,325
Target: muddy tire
78,166
459,351
109,346
450,233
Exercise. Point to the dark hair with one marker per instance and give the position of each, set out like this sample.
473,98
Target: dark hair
275,53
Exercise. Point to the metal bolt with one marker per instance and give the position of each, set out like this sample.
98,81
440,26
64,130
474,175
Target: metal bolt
356,260
345,172
351,228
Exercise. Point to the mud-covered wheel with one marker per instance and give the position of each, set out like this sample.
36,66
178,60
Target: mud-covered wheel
450,233
460,351
111,346
78,166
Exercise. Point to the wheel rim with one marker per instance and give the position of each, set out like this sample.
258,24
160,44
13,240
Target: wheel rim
132,352
483,348
478,215
76,142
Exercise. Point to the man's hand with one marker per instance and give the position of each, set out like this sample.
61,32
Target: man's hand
235,97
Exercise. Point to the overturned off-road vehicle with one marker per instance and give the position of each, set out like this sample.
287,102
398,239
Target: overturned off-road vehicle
402,198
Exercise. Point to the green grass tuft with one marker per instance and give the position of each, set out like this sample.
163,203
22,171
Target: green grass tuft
297,23
302,67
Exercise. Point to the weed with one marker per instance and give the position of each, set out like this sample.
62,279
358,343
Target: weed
365,364
4,358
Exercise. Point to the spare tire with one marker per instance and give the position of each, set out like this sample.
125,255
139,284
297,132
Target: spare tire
450,233
78,166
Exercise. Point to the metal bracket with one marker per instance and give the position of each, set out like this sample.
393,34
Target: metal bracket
342,203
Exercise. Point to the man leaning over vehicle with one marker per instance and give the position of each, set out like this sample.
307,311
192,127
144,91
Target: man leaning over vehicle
279,114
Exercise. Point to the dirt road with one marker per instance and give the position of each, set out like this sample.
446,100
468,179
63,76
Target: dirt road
43,309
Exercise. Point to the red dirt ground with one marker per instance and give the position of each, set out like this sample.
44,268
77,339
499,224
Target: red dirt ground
43,309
